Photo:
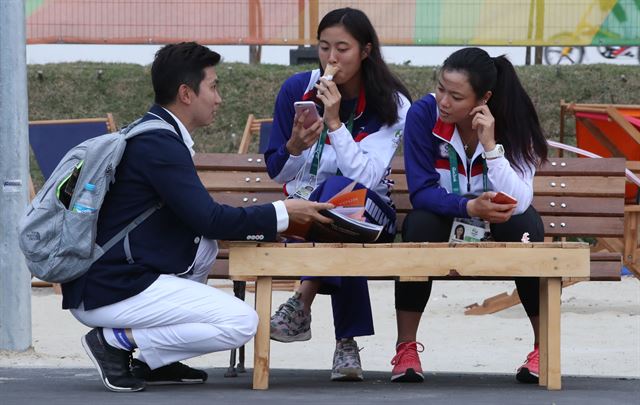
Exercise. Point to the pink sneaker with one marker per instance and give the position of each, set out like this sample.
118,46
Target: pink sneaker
528,372
406,363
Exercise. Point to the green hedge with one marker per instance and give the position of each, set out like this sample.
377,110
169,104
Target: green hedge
81,90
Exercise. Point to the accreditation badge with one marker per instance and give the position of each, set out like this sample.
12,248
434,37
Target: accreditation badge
469,230
303,192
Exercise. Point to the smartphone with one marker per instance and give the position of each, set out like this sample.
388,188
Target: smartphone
503,198
312,115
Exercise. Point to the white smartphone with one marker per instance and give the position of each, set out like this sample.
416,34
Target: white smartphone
312,115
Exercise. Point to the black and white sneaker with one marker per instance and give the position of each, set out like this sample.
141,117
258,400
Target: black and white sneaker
112,363
174,373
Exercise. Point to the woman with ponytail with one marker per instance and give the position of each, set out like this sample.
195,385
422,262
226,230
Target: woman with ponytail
477,135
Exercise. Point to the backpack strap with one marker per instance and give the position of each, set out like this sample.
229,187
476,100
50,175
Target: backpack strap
136,128
134,224
129,132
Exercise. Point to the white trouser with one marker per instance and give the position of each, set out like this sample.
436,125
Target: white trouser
177,318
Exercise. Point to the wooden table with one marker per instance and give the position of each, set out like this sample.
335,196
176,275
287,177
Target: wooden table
415,262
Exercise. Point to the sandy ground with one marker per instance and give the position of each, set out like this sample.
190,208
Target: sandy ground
600,332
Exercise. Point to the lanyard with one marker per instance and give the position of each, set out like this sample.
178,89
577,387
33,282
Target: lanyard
453,168
320,146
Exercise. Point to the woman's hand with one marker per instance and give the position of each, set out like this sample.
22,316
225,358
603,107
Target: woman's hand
484,123
330,96
302,138
482,207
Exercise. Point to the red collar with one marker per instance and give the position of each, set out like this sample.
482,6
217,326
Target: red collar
443,130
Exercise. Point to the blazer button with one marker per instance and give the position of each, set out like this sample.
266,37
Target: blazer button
196,240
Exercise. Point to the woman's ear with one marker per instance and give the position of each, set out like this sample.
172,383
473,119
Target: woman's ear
486,97
365,51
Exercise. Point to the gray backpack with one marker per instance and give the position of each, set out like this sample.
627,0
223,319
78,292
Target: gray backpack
58,242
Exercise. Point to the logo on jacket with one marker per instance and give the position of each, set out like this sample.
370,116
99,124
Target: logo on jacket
397,137
444,149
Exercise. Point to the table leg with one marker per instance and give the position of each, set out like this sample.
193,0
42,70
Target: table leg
261,340
543,331
554,375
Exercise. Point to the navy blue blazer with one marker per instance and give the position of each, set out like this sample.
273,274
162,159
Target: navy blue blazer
157,166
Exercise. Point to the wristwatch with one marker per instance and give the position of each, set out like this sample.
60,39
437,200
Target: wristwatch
497,152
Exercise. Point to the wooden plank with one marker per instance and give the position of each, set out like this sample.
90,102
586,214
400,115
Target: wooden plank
600,107
397,165
582,167
554,286
238,181
543,334
245,199
229,161
262,338
579,186
619,119
220,269
606,257
583,226
633,165
246,135
605,271
631,241
72,121
251,261
579,206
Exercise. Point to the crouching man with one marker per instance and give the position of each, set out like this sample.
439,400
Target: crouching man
147,291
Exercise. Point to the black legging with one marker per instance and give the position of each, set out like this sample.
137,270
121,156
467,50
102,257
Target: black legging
425,226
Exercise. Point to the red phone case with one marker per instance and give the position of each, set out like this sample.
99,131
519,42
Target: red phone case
503,198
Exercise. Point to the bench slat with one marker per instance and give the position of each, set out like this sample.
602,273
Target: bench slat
582,166
583,226
229,161
580,206
543,185
579,186
238,181
571,167
244,198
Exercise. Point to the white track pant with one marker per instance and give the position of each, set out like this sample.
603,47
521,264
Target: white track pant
176,319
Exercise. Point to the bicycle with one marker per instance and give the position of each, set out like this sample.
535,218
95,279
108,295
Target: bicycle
569,55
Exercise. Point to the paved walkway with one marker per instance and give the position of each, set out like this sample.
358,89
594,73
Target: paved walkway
81,386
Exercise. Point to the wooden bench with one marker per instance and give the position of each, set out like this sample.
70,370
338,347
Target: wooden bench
575,197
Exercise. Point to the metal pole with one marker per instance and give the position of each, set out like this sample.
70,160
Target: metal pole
15,284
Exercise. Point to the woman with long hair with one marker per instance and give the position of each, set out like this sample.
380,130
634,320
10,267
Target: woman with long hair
477,135
363,106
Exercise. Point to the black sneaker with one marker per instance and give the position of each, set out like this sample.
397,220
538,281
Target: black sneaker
174,373
112,363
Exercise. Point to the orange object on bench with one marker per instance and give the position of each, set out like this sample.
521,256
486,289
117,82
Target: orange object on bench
608,131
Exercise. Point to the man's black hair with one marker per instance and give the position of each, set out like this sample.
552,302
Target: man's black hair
177,64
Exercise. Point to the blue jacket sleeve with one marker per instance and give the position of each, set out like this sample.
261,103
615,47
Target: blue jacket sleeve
168,167
420,152
276,154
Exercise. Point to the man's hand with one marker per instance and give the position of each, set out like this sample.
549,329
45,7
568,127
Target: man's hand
482,207
303,211
301,138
